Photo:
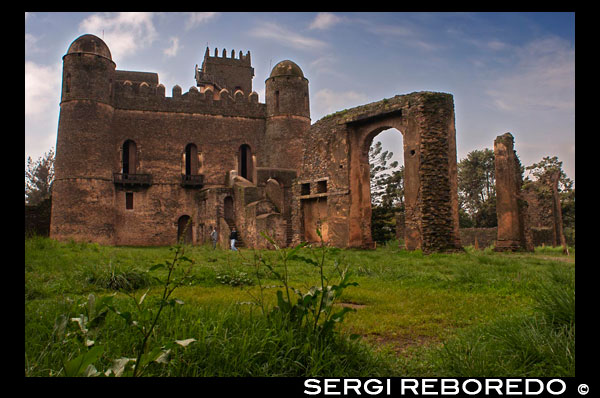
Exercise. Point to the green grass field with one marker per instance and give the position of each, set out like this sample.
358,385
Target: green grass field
477,313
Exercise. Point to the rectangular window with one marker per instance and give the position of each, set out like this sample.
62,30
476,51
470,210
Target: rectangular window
129,200
322,186
305,189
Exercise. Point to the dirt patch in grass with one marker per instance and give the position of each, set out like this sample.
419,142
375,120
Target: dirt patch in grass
399,343
351,305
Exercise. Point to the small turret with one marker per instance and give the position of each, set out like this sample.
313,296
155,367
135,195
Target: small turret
287,91
288,114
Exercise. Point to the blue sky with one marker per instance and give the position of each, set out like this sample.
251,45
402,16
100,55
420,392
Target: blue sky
507,71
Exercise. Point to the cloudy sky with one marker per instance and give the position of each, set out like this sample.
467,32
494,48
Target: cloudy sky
508,72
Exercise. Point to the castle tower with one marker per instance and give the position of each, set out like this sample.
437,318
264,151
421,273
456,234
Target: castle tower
83,192
221,72
288,115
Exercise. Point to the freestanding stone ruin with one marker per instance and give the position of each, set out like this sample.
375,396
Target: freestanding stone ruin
510,206
134,167
337,152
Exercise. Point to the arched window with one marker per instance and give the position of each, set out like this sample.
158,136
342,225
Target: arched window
191,159
129,157
245,162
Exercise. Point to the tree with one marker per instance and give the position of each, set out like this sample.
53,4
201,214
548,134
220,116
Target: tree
387,191
379,171
542,173
477,188
39,177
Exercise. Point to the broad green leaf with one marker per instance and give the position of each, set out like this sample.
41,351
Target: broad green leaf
91,304
143,297
78,365
156,266
163,357
98,320
91,371
118,366
60,326
186,342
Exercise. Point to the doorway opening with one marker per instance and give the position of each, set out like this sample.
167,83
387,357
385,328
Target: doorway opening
386,172
245,162
184,230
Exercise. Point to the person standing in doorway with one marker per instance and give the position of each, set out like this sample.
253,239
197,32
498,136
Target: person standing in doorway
233,237
213,236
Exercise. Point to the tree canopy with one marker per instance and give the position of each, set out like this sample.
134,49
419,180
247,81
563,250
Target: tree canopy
39,177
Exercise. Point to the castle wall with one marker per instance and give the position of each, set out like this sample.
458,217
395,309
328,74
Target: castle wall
161,138
295,177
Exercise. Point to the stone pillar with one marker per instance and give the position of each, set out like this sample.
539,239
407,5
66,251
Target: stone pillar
509,206
437,222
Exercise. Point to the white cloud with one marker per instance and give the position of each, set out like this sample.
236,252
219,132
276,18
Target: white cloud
543,79
198,18
272,31
42,98
407,34
30,42
496,45
327,101
42,86
325,20
173,49
124,32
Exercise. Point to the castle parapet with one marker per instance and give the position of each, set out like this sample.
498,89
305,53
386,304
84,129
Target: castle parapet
141,91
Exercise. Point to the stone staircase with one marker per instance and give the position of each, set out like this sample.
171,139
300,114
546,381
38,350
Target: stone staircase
239,243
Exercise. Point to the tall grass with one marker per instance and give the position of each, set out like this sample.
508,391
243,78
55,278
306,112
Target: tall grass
538,344
474,313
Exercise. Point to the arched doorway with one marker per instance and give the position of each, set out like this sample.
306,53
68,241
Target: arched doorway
360,181
245,162
386,163
184,230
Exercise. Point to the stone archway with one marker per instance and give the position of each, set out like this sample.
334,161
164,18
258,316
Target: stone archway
361,138
336,150
426,121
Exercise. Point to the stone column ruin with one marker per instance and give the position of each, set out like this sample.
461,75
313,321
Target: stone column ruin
511,209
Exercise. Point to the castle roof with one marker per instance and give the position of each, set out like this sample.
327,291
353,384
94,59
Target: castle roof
90,44
286,68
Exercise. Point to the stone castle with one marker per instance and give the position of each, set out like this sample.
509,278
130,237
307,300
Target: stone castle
135,167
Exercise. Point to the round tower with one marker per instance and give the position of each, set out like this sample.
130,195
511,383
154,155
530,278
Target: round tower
288,115
83,191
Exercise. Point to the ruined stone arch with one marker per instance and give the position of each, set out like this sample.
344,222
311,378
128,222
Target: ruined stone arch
426,121
362,136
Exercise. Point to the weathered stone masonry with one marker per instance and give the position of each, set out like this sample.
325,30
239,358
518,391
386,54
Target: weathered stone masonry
133,166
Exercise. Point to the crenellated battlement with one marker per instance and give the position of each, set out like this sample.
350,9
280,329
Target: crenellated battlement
151,96
241,59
